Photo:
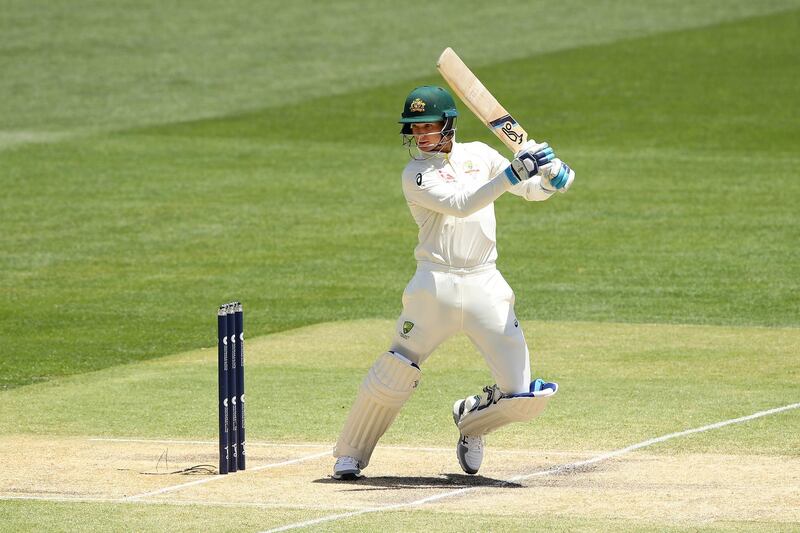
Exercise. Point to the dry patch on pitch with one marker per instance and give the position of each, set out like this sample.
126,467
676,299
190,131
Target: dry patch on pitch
82,468
692,488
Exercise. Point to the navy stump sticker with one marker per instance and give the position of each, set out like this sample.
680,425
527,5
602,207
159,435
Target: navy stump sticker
506,124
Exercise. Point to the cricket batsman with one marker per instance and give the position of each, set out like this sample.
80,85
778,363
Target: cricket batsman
450,188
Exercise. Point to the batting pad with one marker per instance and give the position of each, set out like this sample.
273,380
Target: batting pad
494,409
388,385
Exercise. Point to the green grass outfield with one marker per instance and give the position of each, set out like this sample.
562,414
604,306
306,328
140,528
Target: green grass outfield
157,160
118,246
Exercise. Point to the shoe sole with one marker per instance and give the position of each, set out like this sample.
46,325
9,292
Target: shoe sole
347,476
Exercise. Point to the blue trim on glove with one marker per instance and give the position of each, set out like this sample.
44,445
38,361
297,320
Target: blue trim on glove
561,178
511,175
544,156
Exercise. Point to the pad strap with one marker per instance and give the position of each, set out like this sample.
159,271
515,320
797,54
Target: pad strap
494,409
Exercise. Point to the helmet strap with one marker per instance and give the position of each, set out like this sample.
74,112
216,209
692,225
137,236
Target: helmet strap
410,142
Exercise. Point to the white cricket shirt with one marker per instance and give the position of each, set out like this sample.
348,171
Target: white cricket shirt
451,197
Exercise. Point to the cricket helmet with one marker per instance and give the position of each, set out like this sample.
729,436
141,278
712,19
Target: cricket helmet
428,104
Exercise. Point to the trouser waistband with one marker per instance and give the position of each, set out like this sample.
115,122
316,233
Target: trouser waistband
465,271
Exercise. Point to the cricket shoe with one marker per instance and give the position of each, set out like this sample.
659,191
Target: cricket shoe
469,450
346,468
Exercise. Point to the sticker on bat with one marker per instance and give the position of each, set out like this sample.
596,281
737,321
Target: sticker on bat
506,124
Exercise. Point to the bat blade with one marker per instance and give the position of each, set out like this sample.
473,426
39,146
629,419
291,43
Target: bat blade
480,101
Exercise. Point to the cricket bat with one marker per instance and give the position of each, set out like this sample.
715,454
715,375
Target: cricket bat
480,101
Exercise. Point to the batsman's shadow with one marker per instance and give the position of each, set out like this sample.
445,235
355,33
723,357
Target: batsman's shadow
444,481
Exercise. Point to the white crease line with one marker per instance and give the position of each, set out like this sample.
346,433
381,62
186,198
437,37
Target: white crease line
330,446
206,503
272,505
555,470
650,442
173,488
77,499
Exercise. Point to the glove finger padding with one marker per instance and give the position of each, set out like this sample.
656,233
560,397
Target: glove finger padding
532,147
545,156
564,178
557,176
542,152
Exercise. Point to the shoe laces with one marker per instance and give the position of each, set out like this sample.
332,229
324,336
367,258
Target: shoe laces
347,462
474,443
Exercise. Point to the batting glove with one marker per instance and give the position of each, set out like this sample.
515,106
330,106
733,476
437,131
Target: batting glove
557,176
529,160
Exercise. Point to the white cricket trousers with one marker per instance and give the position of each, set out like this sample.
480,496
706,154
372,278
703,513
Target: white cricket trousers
441,301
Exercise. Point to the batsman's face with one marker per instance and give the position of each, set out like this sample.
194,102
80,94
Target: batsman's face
427,134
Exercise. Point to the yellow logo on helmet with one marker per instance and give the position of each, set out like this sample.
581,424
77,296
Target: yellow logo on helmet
417,106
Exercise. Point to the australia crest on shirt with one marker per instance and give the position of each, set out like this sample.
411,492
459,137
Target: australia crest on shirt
470,168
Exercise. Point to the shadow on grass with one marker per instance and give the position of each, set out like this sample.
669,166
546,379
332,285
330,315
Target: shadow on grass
445,481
